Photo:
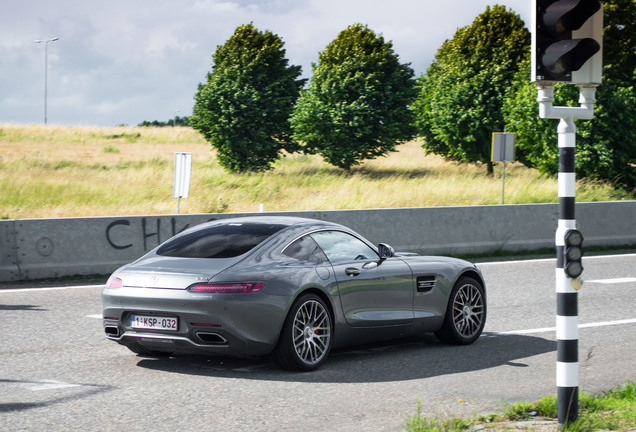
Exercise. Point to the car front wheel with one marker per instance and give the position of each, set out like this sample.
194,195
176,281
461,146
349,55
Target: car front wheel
305,340
465,314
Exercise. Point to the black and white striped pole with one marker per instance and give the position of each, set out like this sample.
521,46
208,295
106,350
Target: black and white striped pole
568,242
567,46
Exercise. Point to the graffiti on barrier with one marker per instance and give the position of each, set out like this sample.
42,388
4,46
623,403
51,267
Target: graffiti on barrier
150,233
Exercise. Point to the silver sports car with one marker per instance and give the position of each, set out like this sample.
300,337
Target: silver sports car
287,287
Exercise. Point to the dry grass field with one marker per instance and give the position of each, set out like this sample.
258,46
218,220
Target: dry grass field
55,171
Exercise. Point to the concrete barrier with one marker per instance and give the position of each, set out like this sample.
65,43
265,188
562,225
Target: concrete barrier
48,248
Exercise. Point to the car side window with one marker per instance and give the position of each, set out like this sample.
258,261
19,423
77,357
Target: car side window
341,246
305,249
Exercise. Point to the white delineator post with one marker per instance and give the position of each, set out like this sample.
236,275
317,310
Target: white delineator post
567,333
182,174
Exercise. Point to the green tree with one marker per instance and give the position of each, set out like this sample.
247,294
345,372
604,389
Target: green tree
177,121
606,145
357,104
619,42
243,110
463,91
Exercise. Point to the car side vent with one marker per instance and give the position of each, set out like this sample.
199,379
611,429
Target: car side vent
425,283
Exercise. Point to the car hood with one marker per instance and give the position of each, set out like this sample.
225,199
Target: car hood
171,273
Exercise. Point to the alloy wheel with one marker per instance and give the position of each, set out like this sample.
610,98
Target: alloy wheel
468,310
311,332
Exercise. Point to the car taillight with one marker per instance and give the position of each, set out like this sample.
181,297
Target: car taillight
114,282
249,287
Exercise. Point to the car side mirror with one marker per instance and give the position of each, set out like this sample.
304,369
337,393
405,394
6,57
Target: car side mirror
385,251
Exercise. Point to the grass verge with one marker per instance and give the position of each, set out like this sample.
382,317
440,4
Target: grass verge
55,171
613,410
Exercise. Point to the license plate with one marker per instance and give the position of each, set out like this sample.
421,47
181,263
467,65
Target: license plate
153,322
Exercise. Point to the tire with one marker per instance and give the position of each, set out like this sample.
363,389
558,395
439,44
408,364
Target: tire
306,337
465,314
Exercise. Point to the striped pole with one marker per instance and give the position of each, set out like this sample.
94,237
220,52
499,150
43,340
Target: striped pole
567,334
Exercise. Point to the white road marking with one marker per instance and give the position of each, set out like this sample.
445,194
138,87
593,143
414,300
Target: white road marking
553,329
49,385
613,281
585,258
21,290
98,316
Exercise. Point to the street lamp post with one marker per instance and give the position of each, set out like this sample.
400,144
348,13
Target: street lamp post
46,60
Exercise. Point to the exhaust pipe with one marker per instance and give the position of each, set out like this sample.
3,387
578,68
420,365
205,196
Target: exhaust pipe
212,338
112,331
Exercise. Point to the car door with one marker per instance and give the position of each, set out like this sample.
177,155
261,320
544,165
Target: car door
373,291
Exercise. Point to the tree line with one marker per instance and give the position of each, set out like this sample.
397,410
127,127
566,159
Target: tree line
362,102
177,121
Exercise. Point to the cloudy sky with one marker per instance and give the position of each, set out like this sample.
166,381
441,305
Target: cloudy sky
126,61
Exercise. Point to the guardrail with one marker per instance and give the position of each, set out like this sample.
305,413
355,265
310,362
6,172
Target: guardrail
49,248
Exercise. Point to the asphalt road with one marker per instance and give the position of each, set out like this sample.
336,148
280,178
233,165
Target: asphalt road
59,373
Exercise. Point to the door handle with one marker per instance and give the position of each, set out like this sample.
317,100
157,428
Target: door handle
352,271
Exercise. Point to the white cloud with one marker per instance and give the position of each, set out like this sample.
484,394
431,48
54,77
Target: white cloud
128,61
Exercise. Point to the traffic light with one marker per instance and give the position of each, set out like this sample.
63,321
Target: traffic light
573,253
567,41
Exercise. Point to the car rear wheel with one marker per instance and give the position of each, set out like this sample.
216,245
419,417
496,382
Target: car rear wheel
465,314
305,340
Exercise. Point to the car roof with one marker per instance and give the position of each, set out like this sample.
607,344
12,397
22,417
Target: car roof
273,219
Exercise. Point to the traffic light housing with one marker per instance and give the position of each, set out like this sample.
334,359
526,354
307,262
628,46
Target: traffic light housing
573,253
567,41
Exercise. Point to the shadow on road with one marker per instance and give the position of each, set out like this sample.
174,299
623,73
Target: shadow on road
21,307
40,399
406,359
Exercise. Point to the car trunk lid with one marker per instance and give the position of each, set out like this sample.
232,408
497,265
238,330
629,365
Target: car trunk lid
175,273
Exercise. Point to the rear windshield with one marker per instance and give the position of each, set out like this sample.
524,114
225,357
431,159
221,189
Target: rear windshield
219,241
